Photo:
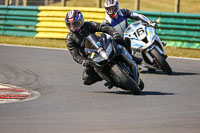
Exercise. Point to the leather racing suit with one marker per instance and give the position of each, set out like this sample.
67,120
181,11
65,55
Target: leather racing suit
120,23
76,43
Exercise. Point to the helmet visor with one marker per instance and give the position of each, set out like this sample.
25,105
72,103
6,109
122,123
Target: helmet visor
111,9
74,25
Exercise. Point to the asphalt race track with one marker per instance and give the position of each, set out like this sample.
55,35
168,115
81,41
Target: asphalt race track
168,104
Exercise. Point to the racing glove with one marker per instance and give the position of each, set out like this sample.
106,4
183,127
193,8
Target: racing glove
117,36
86,63
152,23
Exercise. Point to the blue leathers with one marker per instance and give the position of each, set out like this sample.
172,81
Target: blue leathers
120,21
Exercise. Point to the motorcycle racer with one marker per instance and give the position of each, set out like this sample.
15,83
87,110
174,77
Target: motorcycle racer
118,19
76,38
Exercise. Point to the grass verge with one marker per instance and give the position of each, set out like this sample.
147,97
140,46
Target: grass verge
29,41
186,6
55,43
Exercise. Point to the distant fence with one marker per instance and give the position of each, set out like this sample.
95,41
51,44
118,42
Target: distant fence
18,21
33,2
99,3
41,22
51,20
182,30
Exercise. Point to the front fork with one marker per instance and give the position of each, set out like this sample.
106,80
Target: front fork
158,47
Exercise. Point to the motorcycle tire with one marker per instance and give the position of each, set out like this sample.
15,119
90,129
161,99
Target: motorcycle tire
124,80
160,59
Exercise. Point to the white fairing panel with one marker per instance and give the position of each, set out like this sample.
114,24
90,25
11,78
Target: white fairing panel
140,35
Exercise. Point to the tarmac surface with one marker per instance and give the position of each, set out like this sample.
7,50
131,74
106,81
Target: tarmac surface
168,104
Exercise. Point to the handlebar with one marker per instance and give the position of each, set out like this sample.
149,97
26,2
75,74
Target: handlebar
153,24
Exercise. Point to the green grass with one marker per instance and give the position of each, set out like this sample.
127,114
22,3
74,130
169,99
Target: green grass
183,52
28,41
186,6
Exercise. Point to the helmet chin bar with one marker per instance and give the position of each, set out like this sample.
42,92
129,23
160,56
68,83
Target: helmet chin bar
113,15
76,30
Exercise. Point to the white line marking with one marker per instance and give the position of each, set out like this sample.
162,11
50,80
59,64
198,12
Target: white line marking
4,87
30,93
64,49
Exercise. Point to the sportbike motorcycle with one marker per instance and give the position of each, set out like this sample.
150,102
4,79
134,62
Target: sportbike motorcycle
114,64
146,43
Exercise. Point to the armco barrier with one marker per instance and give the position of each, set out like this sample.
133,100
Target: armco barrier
178,29
41,22
18,21
51,20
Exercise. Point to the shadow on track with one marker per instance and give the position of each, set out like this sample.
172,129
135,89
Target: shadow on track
184,73
155,93
143,93
173,73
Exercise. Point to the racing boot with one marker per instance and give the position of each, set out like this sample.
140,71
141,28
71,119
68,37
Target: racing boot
90,76
164,43
137,60
92,80
109,85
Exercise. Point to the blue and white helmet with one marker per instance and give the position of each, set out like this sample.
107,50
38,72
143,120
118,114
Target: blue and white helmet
74,20
112,7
